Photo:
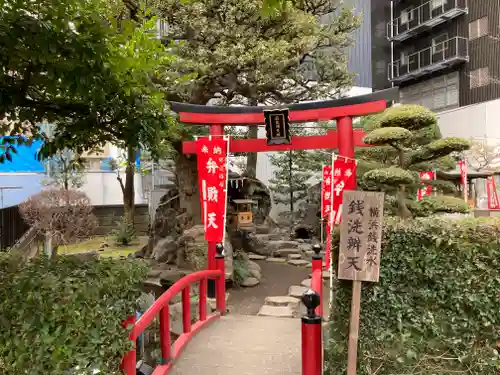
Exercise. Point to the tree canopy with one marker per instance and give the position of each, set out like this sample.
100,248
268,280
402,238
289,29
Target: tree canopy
406,140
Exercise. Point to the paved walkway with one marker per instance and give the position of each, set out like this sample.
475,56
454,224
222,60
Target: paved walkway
244,345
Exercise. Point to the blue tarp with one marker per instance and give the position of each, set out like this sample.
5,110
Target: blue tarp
24,161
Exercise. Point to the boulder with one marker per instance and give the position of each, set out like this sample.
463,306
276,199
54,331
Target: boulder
165,250
250,281
253,266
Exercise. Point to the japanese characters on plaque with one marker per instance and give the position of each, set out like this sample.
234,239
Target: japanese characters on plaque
212,177
277,126
361,236
344,178
326,191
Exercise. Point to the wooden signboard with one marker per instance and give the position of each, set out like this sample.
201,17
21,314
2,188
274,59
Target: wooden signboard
361,236
277,126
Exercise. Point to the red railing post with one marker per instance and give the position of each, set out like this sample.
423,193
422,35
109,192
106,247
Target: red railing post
203,300
312,350
186,310
165,339
317,269
129,361
220,294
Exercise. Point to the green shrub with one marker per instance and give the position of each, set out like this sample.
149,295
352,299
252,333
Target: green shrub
439,204
124,233
61,314
436,308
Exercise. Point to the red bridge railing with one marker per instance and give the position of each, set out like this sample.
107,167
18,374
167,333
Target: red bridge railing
312,336
312,329
161,307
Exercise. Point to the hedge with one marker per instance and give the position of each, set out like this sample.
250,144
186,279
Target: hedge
436,309
60,315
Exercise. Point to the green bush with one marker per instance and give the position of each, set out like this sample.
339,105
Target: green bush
124,233
439,204
436,308
63,314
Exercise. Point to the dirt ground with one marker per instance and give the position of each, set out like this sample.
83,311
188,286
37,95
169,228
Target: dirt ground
276,279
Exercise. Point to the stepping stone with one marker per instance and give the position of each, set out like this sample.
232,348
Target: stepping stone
285,252
276,260
297,291
306,283
299,262
294,256
282,301
250,281
276,311
253,256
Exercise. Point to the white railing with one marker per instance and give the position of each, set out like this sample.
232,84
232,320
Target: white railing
423,14
455,48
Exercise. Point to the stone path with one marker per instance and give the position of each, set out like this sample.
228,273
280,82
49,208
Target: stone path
244,345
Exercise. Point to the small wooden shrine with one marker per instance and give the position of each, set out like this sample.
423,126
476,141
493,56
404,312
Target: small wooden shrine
242,215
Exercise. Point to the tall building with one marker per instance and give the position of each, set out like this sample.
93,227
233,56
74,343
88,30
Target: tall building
443,54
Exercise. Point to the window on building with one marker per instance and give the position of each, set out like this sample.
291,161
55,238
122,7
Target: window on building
438,3
406,15
479,77
478,28
440,43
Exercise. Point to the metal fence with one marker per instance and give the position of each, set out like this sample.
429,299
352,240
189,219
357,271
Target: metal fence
12,227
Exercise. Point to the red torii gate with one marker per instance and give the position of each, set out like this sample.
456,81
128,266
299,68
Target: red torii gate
341,110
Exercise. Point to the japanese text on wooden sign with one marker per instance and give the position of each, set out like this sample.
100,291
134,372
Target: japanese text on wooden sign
361,236
212,177
277,126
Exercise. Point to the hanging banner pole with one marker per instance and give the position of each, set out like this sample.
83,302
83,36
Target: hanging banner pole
330,264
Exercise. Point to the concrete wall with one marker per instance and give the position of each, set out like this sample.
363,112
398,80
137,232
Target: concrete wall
109,215
103,189
479,121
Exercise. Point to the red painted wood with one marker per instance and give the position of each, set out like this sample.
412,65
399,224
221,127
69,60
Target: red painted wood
186,310
129,360
313,142
317,282
203,300
312,352
165,339
220,292
322,114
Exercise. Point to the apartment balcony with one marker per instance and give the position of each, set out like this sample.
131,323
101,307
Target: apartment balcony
439,56
416,20
161,28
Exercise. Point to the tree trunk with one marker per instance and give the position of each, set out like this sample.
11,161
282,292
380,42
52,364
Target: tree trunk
403,210
186,170
253,133
129,189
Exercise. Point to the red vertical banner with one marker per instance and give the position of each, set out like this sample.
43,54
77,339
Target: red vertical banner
326,209
491,189
425,191
463,170
343,179
212,178
326,191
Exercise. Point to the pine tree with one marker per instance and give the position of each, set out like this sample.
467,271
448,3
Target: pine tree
407,140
